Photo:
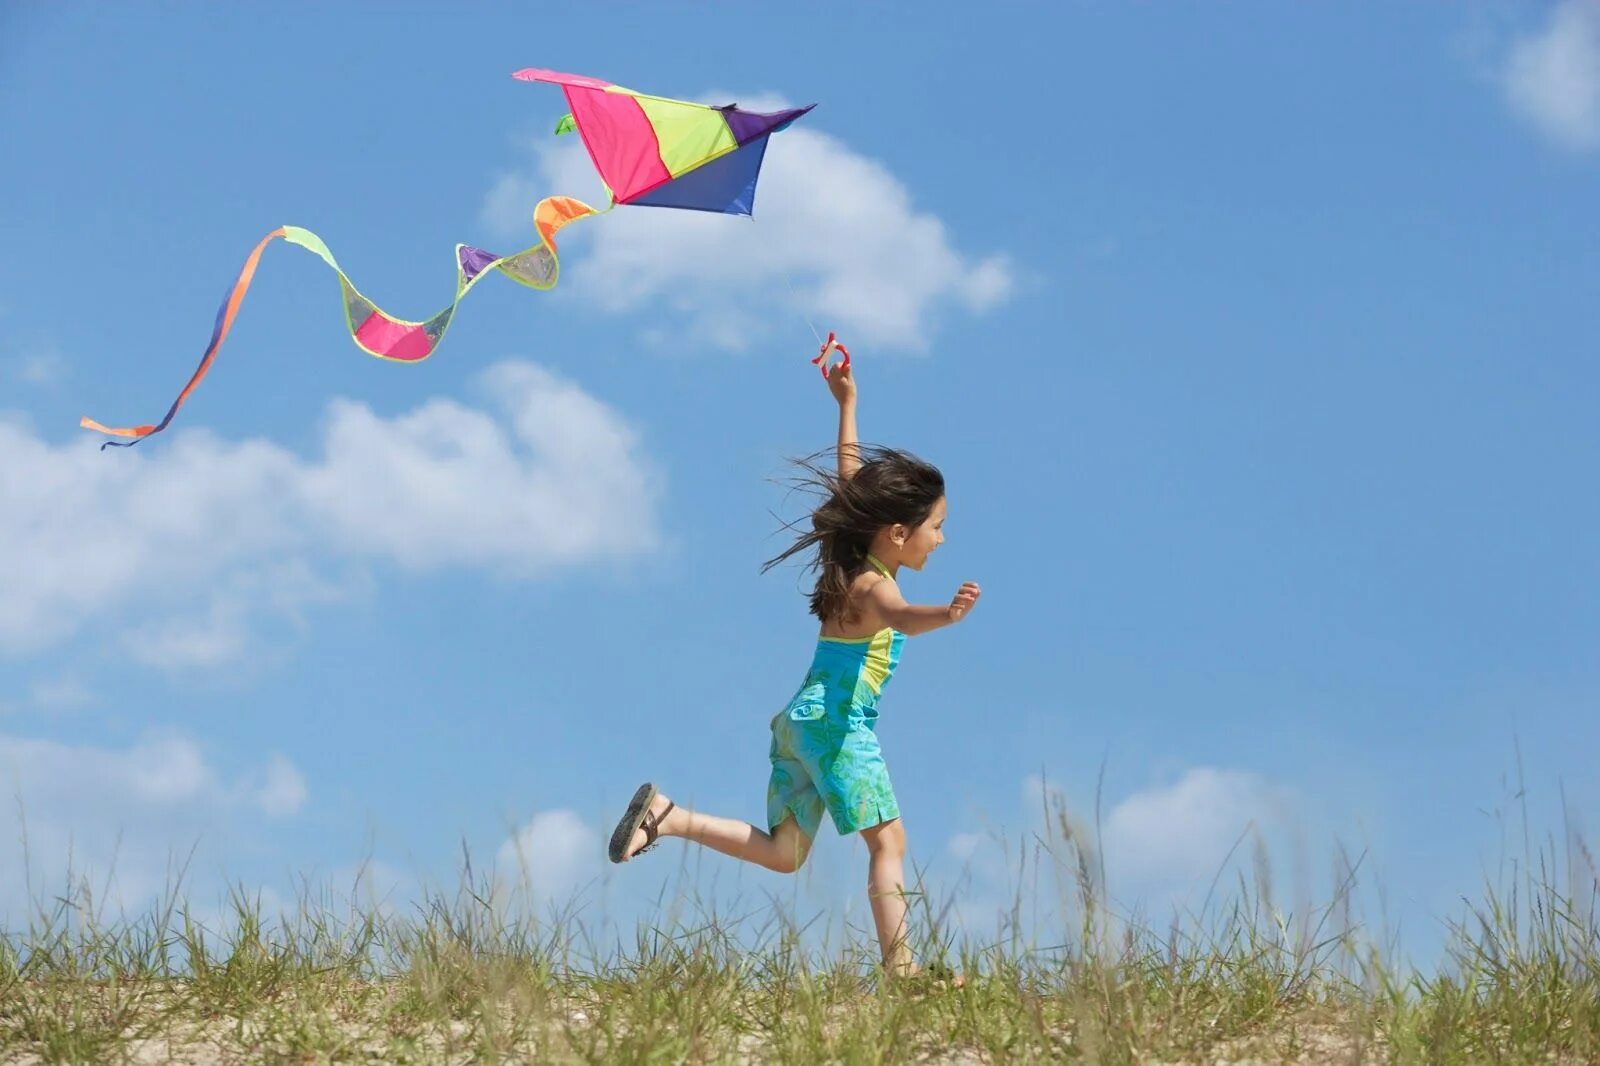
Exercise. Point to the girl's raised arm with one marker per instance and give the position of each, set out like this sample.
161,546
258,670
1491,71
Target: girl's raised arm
842,383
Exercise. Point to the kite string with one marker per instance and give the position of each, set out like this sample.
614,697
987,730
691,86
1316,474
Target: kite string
800,307
823,346
795,293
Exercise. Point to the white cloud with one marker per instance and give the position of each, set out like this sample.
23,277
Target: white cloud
839,226
218,632
163,771
554,481
550,857
1552,77
964,845
1180,834
1156,848
1041,797
195,539
1046,803
214,637
59,694
126,816
283,788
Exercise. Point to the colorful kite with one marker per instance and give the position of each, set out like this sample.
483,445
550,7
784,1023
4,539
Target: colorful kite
656,152
649,150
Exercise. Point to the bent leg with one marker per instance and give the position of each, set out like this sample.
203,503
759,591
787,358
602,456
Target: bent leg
783,850
886,890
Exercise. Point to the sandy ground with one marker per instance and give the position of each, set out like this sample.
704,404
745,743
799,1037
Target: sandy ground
232,1041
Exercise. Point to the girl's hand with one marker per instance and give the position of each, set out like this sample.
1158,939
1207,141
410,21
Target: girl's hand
966,598
842,383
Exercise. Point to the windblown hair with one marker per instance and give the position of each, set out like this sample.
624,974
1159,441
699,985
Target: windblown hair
890,488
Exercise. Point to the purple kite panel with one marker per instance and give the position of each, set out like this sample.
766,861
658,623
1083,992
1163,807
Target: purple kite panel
748,125
473,260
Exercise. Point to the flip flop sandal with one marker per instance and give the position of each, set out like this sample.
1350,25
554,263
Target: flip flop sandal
637,816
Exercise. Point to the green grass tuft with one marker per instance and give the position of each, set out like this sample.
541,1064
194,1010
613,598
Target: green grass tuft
472,976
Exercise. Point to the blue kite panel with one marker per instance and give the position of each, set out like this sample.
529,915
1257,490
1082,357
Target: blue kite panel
726,185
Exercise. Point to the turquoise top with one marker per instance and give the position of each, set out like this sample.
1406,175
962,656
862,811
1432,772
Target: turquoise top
848,675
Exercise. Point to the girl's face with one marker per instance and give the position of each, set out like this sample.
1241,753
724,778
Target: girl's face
920,542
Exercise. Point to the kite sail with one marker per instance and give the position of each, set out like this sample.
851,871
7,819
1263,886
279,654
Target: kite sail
656,152
649,150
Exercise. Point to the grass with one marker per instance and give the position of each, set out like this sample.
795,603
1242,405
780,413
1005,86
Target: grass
469,976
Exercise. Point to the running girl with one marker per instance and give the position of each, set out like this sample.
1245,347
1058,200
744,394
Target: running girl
883,510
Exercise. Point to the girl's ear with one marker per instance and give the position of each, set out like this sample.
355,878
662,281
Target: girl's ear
898,534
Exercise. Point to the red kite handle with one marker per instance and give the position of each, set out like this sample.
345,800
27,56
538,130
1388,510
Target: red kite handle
831,345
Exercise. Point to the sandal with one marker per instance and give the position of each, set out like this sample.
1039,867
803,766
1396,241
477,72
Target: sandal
638,816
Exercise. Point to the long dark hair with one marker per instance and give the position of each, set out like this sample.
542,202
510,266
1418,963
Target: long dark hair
890,488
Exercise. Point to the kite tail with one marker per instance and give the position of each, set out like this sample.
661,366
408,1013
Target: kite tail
219,332
375,331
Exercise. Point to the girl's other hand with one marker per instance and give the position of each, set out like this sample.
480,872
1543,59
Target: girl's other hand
842,383
966,598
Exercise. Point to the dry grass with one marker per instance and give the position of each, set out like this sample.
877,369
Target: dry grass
465,978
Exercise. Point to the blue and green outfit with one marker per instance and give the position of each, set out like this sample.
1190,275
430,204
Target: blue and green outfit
825,749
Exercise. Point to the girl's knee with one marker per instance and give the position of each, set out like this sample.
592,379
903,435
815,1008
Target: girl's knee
789,862
792,848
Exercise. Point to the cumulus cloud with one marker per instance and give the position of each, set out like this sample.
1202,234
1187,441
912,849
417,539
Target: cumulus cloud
212,637
836,236
550,857
1179,834
200,538
123,816
1156,848
964,845
282,790
1552,76
556,480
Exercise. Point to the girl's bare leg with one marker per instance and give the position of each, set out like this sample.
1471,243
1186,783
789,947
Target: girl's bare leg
784,849
886,852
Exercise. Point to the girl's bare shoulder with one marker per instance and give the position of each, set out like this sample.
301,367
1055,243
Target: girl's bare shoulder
864,620
864,582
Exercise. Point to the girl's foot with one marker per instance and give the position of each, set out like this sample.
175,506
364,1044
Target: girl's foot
931,978
641,824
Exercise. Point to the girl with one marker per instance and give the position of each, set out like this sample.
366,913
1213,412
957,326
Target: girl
884,510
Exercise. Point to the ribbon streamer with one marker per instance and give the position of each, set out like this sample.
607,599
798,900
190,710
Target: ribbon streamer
374,330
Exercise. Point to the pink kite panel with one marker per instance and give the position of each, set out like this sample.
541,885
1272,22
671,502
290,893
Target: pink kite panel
555,77
394,339
620,139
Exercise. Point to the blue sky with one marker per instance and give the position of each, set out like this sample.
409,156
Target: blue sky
1257,345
